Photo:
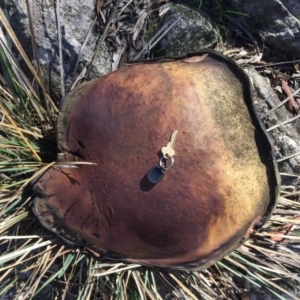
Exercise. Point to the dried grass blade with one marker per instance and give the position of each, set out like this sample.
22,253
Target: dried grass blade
142,296
13,72
184,288
35,51
283,123
288,157
146,289
19,132
83,46
276,286
23,237
139,25
22,130
12,220
8,287
71,275
115,270
26,181
262,249
48,265
61,64
157,37
10,256
154,286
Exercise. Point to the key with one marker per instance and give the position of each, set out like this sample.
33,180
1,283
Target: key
156,174
169,151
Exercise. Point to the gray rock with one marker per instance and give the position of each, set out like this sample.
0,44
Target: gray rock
286,138
276,21
192,32
76,18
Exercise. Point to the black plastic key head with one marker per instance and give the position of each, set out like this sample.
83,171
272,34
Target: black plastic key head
156,174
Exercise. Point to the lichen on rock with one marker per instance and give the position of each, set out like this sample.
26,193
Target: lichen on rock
192,32
286,138
276,21
76,19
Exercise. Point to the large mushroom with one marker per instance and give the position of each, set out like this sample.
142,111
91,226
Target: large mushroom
222,185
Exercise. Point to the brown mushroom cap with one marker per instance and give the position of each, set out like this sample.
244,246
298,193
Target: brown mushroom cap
223,180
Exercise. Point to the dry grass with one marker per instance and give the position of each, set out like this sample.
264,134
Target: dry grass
35,264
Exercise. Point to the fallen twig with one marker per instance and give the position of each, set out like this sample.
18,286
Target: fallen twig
62,82
291,105
104,34
280,104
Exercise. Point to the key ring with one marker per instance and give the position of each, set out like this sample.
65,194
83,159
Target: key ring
162,165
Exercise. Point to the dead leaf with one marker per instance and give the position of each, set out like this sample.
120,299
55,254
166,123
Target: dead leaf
277,235
106,3
231,51
158,2
98,7
297,66
195,59
139,25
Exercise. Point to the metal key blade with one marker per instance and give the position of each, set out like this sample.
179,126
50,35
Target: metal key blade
172,139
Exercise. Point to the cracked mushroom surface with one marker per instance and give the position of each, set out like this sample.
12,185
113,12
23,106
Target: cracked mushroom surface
223,182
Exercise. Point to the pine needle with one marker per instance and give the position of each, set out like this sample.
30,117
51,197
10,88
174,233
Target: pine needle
33,259
19,132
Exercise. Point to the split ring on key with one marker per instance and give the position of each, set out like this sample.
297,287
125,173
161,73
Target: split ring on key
164,166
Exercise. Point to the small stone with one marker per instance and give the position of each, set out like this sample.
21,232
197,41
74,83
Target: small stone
276,21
